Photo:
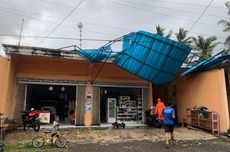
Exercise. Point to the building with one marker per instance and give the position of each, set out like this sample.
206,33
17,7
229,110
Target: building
208,85
41,78
59,81
96,85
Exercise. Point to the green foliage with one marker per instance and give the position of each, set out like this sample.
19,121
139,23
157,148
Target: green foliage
226,24
181,37
204,46
161,31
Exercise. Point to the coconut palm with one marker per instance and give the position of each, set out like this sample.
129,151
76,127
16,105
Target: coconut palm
181,37
204,46
226,24
161,31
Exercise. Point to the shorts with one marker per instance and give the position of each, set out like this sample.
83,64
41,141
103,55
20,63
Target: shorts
169,128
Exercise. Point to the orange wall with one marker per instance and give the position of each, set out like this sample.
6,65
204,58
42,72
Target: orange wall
58,68
7,86
206,89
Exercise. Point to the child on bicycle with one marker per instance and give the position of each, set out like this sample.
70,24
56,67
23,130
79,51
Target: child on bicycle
55,126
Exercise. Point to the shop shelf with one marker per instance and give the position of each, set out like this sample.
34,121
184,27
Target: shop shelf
210,122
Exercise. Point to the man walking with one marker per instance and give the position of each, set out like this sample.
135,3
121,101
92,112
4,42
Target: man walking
169,115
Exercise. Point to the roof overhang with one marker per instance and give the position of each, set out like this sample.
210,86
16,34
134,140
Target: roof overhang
39,51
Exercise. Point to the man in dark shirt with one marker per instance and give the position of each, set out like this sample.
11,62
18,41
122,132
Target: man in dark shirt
168,121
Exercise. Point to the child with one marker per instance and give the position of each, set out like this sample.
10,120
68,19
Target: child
55,126
71,118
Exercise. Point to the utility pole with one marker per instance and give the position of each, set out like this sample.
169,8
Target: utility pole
80,26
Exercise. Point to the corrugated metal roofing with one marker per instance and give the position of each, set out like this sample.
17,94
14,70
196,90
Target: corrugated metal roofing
96,55
206,64
149,56
152,57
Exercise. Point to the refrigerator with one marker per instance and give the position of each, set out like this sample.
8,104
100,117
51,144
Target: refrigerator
111,110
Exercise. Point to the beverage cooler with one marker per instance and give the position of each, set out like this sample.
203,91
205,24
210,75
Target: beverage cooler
111,110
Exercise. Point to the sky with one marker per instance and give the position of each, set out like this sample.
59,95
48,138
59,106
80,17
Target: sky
103,20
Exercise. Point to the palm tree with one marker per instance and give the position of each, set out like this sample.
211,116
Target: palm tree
181,37
161,31
204,46
226,28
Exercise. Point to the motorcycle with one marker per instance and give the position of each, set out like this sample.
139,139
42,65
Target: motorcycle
152,121
30,119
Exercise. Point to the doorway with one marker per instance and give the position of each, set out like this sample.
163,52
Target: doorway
117,93
58,99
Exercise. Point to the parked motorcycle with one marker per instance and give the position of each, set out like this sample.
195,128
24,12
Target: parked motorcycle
152,121
30,119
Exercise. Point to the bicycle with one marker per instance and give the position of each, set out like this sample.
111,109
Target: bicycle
39,141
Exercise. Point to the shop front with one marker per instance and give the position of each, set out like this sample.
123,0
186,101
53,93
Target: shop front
61,85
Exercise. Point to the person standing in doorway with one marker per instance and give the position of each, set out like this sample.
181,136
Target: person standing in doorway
168,121
72,118
159,107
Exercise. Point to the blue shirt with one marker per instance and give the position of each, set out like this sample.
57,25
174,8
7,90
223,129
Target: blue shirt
168,114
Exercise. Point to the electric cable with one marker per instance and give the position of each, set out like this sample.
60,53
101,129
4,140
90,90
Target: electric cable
68,15
159,13
200,16
33,18
186,4
170,8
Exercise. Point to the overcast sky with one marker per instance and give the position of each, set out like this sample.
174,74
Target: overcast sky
104,19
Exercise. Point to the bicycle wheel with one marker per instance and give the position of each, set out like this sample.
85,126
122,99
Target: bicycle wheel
38,141
60,142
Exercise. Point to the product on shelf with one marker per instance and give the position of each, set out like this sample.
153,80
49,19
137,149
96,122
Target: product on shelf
129,109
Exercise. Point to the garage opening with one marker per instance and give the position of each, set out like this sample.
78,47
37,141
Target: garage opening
120,104
58,99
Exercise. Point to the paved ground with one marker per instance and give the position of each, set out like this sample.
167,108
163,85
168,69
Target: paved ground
125,140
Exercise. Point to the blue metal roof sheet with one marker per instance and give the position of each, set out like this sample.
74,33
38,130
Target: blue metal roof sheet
206,63
152,57
149,56
96,55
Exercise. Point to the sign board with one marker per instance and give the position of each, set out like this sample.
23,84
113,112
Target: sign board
44,117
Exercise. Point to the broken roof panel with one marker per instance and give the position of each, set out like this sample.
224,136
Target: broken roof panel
96,55
152,57
149,56
207,64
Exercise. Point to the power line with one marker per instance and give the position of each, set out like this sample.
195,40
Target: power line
165,8
186,4
117,28
91,31
158,1
55,3
175,9
200,16
95,24
69,26
53,37
54,23
68,15
159,13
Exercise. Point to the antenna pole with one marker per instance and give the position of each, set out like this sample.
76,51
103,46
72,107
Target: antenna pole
19,41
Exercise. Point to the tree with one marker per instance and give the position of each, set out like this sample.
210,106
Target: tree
204,46
181,37
161,31
226,24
